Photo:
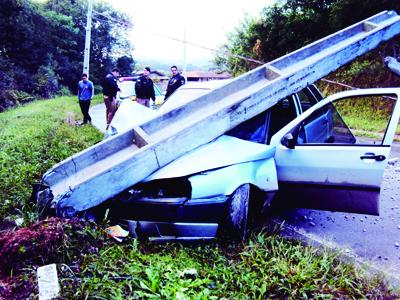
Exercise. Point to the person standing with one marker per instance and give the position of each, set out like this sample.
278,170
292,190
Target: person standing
175,82
144,88
110,89
85,95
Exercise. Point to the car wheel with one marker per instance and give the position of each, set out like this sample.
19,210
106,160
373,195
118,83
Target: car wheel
236,222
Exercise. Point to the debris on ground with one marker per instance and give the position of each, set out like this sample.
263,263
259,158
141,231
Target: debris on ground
51,241
48,282
117,233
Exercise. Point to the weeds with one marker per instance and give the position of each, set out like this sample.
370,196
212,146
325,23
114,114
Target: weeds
266,267
32,139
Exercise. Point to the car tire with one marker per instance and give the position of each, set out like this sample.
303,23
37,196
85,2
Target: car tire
235,226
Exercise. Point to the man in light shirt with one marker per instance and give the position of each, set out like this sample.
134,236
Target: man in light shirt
85,95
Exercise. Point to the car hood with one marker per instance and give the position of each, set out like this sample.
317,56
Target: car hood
221,152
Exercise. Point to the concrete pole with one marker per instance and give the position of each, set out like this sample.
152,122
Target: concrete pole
87,39
184,52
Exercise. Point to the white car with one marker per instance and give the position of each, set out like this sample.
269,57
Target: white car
301,150
129,111
127,86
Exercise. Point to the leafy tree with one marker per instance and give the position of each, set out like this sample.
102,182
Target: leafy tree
126,65
291,24
108,37
42,44
46,81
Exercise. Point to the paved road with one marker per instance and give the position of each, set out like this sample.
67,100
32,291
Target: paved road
369,238
98,114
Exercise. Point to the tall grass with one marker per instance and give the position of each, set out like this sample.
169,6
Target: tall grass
34,137
267,267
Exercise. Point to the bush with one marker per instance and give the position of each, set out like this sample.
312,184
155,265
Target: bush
13,98
46,82
64,91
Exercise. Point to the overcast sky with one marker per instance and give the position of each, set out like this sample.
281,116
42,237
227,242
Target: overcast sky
206,22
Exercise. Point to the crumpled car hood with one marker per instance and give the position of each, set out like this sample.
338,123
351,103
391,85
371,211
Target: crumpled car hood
221,152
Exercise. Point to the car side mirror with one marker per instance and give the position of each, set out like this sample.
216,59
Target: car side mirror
288,141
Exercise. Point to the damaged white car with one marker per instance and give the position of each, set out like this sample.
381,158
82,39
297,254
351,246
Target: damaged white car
303,150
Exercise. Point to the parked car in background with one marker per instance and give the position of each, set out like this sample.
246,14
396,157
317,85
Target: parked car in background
129,111
127,86
190,91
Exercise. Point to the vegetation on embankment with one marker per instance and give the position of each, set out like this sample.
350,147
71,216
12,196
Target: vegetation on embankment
368,71
35,136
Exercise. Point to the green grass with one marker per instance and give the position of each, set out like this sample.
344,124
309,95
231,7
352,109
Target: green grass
267,266
35,136
367,117
367,126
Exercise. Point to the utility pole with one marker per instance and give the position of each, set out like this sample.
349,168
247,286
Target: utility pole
184,52
87,39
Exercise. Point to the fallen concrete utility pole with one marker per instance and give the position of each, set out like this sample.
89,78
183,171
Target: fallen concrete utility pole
100,172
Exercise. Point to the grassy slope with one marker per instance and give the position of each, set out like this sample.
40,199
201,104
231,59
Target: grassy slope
36,136
367,71
32,139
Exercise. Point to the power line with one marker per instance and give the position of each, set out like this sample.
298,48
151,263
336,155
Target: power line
226,52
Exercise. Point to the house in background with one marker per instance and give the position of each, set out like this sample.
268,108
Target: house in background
205,75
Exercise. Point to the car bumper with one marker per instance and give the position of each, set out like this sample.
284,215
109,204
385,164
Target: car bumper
172,231
172,218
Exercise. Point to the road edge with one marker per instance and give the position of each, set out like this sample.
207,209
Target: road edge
368,266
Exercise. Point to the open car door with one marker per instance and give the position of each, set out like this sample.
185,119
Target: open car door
333,156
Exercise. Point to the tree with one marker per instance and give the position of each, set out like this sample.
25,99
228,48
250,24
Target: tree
291,24
108,37
42,44
126,65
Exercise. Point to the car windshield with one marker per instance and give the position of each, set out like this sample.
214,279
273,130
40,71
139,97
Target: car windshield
253,130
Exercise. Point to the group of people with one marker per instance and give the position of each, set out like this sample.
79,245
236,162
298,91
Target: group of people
144,88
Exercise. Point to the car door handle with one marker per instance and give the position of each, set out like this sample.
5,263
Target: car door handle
373,156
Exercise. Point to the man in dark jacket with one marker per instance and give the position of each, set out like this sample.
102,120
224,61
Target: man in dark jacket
144,88
110,89
175,82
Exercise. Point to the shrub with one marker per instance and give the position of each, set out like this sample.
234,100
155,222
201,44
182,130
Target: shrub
98,89
46,82
13,98
64,91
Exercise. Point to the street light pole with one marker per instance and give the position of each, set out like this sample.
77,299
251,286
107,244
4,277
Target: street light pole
87,39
